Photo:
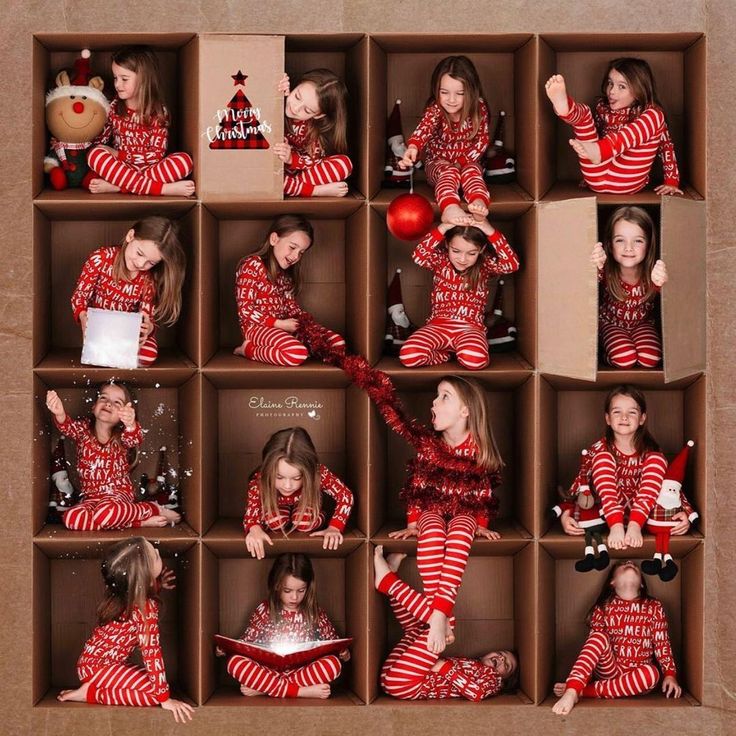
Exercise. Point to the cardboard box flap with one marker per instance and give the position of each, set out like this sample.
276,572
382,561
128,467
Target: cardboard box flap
683,297
567,300
241,115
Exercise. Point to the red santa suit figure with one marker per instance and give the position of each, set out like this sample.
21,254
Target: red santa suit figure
393,176
670,502
398,324
62,492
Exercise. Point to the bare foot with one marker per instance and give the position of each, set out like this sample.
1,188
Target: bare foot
240,350
437,634
557,93
178,189
76,696
314,691
380,566
394,560
477,208
100,186
249,692
454,214
157,520
566,703
335,189
586,149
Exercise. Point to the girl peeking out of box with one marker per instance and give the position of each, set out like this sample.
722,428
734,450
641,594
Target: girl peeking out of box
290,614
286,494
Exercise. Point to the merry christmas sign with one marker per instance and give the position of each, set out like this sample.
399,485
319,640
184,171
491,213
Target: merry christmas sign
241,115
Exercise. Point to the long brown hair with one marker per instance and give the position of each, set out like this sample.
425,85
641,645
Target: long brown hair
462,69
638,74
294,446
612,270
143,61
477,237
472,395
330,130
643,440
284,225
168,274
129,580
299,566
608,592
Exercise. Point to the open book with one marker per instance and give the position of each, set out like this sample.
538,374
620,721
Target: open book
282,655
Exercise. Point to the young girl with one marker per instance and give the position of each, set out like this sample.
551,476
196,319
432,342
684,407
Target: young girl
413,671
103,442
266,285
290,613
630,277
459,259
617,143
628,630
144,274
128,619
315,147
138,122
626,468
285,493
453,133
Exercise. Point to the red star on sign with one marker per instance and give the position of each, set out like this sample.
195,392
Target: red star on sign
239,78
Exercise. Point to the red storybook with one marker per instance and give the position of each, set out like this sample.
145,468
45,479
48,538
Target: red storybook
282,655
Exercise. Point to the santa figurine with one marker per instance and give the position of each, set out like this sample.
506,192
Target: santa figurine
393,176
500,164
398,324
501,333
585,507
671,503
61,493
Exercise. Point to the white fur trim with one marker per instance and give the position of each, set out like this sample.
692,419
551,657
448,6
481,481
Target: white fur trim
69,90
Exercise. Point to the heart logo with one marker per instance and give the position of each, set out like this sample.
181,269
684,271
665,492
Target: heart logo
313,414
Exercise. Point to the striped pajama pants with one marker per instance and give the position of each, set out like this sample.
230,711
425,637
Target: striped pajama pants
283,684
448,178
148,352
118,684
625,348
139,180
108,513
433,343
615,680
277,347
328,170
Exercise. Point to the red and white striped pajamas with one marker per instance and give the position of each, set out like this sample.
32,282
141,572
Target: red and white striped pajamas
260,303
109,500
102,663
456,322
97,287
452,158
140,164
407,672
291,626
624,639
309,166
288,517
628,145
627,329
626,484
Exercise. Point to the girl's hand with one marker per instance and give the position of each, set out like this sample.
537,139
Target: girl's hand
167,579
255,540
410,531
282,150
55,406
485,227
443,227
332,537
670,687
633,536
598,256
667,189
283,86
616,537
570,525
684,524
146,328
410,157
219,652
287,325
127,416
481,531
182,711
659,274
344,655
83,322
437,666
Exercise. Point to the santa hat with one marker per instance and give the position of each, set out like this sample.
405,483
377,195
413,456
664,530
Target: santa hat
58,458
393,126
394,290
79,84
676,469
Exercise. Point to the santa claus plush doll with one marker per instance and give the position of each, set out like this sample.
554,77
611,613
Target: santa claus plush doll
61,492
671,503
398,324
501,332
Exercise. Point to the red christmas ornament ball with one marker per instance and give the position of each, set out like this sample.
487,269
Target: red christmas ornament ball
409,216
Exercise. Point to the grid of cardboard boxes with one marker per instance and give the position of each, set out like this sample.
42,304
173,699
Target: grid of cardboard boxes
521,592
